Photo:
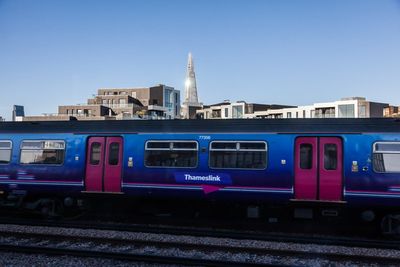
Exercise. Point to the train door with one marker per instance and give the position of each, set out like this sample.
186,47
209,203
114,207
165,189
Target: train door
104,164
318,168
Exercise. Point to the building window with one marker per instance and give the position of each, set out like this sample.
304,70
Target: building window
362,111
42,152
289,115
5,151
346,111
237,112
304,113
238,155
171,154
226,113
386,156
297,114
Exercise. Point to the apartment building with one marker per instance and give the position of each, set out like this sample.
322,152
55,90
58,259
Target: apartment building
391,112
156,102
237,110
352,107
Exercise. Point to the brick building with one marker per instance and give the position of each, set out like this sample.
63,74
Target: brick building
156,102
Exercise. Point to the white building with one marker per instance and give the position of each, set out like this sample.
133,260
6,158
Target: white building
237,110
353,107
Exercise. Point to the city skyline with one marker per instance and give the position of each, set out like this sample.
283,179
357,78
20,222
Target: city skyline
283,52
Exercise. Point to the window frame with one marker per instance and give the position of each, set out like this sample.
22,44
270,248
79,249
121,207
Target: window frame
42,149
305,144
91,162
10,148
210,149
336,156
118,154
374,151
171,149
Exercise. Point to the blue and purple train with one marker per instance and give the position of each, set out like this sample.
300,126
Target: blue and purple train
351,163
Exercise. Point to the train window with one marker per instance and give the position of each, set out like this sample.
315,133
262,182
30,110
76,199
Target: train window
172,154
5,152
113,154
95,153
223,145
386,157
330,157
158,145
306,157
42,152
184,145
238,155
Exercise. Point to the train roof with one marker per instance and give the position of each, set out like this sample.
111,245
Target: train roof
333,125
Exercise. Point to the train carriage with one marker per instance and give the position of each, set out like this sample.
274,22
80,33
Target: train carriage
352,163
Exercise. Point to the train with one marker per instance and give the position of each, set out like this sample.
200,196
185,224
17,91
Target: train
333,163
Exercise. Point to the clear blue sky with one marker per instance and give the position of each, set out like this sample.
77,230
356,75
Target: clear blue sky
286,52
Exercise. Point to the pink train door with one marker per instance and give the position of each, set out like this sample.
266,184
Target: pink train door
318,168
306,168
104,164
330,169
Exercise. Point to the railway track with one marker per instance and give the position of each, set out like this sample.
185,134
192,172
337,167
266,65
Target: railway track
215,232
172,252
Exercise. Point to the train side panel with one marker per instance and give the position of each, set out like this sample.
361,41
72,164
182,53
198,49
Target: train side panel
65,178
274,183
365,186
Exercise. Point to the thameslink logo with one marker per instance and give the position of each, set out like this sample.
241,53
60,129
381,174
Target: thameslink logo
207,178
203,178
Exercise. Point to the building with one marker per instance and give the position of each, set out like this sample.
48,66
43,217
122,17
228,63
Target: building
237,110
391,111
353,107
156,102
1,119
18,113
191,102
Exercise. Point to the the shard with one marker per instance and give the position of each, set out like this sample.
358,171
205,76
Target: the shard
191,102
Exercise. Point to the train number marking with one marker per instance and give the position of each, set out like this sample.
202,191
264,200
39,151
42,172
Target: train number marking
205,137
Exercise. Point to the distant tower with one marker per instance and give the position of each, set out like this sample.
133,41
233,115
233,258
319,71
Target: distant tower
191,101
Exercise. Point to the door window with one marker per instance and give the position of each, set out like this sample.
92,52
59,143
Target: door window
113,154
306,156
95,153
330,157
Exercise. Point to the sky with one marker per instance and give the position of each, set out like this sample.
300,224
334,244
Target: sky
293,52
